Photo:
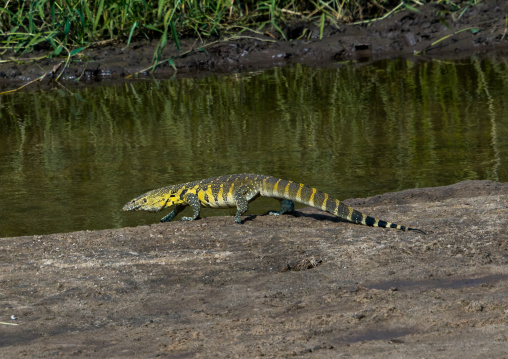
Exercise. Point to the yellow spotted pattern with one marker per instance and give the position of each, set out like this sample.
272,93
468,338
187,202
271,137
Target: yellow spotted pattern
238,190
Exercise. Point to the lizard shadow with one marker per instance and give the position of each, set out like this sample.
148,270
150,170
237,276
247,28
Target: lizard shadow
316,216
320,216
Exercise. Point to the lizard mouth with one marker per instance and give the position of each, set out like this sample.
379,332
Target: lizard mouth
129,206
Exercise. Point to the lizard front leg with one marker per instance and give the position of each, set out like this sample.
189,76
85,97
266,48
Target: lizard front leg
173,213
193,201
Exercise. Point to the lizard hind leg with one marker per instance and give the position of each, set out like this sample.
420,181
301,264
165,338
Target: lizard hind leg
243,206
286,206
242,203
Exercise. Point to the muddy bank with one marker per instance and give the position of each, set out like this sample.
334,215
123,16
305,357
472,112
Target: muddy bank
211,288
480,30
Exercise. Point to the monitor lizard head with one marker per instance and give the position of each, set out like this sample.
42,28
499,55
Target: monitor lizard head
154,201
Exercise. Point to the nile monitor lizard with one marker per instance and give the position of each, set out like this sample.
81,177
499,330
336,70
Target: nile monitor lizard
238,190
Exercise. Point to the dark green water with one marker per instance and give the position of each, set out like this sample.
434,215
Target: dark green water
69,160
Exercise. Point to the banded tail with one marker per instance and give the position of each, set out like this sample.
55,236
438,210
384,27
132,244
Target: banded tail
293,191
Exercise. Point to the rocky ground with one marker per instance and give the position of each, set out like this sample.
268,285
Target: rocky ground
306,285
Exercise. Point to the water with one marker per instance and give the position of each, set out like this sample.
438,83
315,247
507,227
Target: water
70,159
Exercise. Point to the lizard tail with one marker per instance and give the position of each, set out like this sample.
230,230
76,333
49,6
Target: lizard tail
283,189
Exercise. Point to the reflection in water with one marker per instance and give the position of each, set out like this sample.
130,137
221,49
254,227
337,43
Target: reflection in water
69,161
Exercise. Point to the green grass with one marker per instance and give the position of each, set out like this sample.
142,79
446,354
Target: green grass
66,27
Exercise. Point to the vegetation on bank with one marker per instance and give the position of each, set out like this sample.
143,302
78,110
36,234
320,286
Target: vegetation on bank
64,28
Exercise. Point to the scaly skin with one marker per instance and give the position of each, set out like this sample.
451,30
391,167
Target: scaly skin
238,190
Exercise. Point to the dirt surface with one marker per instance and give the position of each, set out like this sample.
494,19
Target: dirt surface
306,285
398,35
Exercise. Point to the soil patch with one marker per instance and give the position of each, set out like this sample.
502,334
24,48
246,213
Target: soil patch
306,285
479,30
